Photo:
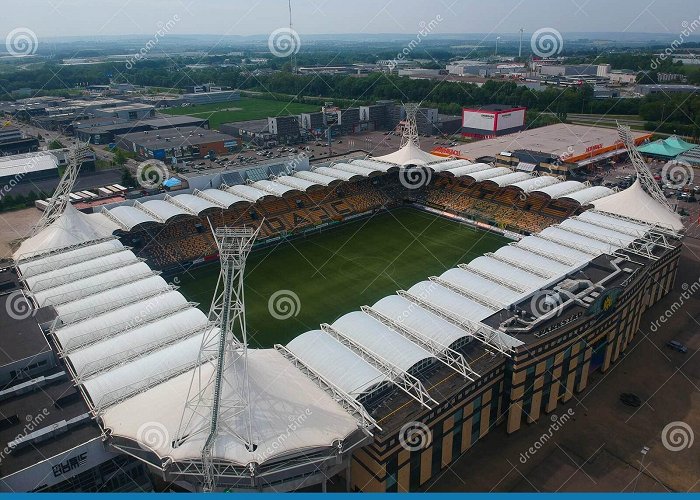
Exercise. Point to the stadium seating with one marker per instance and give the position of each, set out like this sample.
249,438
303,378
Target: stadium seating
189,238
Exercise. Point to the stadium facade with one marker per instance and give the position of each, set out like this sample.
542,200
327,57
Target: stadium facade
505,338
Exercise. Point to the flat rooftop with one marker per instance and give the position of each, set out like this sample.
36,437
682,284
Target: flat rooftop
559,139
50,404
531,307
171,138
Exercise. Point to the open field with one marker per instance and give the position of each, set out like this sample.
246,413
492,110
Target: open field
245,109
336,272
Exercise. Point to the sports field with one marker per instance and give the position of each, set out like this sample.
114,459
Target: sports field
245,109
336,272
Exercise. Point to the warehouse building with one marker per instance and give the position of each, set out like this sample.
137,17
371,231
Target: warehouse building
179,143
492,121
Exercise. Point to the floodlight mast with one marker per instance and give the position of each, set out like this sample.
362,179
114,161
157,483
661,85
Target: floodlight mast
218,393
61,196
643,173
410,129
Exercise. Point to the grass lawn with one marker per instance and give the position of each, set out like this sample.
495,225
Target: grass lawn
246,109
336,272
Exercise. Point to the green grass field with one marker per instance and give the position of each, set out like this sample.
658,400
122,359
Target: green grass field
245,109
336,272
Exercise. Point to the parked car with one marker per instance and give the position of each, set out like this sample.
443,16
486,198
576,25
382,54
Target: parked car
677,346
630,399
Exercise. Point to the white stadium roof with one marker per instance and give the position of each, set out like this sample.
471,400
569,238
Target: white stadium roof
410,154
133,341
635,203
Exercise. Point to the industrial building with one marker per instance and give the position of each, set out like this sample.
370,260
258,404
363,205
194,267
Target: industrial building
491,121
575,146
131,112
98,131
181,143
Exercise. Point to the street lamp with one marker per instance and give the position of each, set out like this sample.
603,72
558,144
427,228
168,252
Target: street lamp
644,452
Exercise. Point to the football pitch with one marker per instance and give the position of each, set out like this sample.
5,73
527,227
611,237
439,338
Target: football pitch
247,108
335,272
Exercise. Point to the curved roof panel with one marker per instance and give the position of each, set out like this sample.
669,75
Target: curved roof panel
115,350
356,169
560,189
419,320
130,217
273,187
521,255
637,228
195,203
108,387
589,194
381,340
446,299
297,182
550,247
468,169
165,210
130,316
86,286
374,164
325,180
224,197
510,179
338,174
50,262
536,183
108,299
580,240
80,270
247,192
506,272
335,362
449,164
615,237
485,175
481,287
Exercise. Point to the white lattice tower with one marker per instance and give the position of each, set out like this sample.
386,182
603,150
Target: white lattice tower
643,173
410,129
61,196
219,393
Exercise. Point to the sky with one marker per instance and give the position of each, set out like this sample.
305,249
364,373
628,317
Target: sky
59,18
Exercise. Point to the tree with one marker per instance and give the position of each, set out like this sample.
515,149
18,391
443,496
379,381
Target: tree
120,157
56,144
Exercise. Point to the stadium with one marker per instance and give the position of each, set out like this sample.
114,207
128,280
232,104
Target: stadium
396,309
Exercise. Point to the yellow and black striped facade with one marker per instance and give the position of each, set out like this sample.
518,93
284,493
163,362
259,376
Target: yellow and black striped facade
540,376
